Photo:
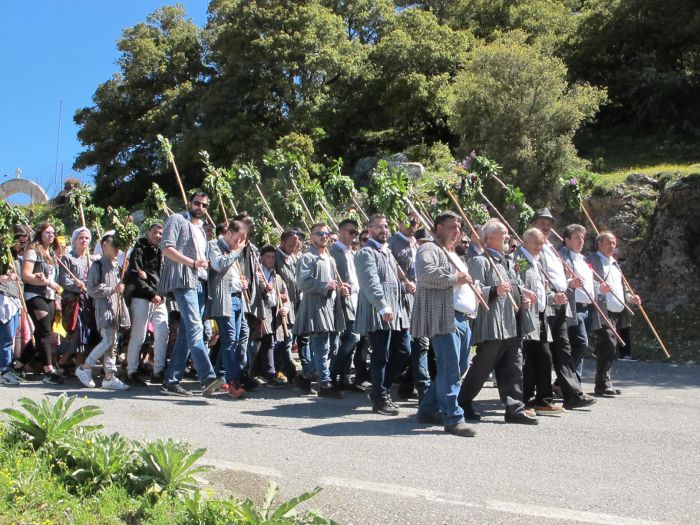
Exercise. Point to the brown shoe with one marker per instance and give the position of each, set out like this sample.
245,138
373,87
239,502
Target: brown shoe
549,410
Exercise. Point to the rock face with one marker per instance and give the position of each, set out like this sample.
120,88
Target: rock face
658,228
362,171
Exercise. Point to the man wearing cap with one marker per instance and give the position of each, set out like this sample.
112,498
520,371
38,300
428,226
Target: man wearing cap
571,390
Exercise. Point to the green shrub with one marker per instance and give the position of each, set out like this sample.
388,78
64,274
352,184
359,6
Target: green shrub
46,422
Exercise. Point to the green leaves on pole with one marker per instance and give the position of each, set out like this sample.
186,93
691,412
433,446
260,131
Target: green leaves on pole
386,192
156,202
126,233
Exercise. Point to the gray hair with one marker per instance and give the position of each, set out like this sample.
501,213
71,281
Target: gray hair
491,226
532,233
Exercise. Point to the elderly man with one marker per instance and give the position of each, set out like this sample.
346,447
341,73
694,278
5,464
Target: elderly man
320,314
496,333
571,390
537,366
380,314
609,299
441,311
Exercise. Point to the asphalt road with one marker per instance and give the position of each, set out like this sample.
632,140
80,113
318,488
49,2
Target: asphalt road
632,459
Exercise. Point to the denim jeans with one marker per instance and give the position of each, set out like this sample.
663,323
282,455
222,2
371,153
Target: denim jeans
8,331
190,338
319,344
284,360
578,337
306,356
345,343
229,332
391,350
452,356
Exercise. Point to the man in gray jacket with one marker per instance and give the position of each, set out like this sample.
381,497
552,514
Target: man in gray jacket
537,366
441,311
320,313
345,342
184,275
380,315
496,331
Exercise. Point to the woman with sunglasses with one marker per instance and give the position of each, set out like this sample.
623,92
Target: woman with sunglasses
39,274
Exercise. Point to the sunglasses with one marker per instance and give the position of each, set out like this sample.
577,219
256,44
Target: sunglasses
204,205
322,234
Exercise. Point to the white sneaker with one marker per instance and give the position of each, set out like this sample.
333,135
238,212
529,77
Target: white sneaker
8,378
114,384
85,376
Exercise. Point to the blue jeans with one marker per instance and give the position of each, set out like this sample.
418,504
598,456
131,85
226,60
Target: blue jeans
306,356
229,332
284,360
391,350
419,365
345,343
320,347
578,337
7,341
452,356
190,338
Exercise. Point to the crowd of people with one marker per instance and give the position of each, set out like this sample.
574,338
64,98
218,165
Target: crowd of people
364,310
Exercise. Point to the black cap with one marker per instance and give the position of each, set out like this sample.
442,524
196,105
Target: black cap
542,213
422,235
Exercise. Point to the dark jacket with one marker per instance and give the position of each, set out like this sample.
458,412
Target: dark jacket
147,258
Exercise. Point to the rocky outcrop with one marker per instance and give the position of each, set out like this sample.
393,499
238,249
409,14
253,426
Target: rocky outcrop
657,221
362,170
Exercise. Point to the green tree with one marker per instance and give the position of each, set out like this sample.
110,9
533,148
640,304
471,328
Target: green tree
160,73
513,104
647,53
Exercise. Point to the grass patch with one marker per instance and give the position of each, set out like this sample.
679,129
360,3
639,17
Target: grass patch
674,329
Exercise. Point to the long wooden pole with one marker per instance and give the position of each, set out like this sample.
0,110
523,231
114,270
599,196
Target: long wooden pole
20,288
488,255
629,286
357,205
269,210
223,209
285,330
301,198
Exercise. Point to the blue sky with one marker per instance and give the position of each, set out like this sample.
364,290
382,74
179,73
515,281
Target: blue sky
52,51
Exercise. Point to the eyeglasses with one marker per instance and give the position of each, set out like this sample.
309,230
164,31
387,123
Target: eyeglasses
201,204
322,234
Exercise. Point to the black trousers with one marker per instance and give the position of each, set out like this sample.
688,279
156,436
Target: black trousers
505,358
606,352
561,356
41,311
537,370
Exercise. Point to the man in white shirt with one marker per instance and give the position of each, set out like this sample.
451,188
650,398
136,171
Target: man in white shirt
611,304
574,241
571,390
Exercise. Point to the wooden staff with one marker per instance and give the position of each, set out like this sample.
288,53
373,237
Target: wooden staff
285,330
301,198
357,205
564,263
82,214
233,206
330,217
22,318
223,210
269,210
488,255
211,221
430,223
171,159
471,285
627,283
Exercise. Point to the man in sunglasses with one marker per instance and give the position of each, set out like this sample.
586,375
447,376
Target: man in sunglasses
346,342
184,276
320,313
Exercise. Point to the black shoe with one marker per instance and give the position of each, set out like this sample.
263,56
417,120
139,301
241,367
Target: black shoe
52,378
190,373
606,392
304,384
20,372
471,414
351,387
581,401
429,418
157,379
521,418
460,429
330,391
212,385
385,408
392,402
135,381
250,384
175,390
363,383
